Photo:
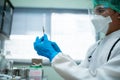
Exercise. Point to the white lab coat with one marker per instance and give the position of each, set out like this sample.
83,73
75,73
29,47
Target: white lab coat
98,68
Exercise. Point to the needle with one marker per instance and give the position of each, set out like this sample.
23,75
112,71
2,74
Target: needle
43,29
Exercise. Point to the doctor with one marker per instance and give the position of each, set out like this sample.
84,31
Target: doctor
102,61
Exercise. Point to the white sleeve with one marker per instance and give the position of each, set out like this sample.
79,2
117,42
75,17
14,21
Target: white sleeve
69,70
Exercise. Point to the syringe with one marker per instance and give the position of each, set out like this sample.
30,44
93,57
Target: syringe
43,29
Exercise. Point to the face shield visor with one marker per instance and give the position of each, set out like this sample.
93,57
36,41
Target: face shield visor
100,23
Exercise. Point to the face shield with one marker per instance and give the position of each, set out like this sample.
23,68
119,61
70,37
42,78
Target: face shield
101,23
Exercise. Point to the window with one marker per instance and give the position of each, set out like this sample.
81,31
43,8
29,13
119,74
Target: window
72,31
27,24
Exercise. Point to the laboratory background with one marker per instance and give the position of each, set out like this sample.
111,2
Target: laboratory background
62,20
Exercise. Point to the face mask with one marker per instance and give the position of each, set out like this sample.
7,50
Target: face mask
101,23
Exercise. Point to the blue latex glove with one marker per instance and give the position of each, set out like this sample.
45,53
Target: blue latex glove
55,46
45,48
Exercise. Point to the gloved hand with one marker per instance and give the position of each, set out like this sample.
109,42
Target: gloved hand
46,48
55,46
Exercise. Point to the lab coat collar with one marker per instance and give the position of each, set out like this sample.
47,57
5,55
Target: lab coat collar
116,34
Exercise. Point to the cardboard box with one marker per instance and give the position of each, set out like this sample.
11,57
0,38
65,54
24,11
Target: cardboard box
36,61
